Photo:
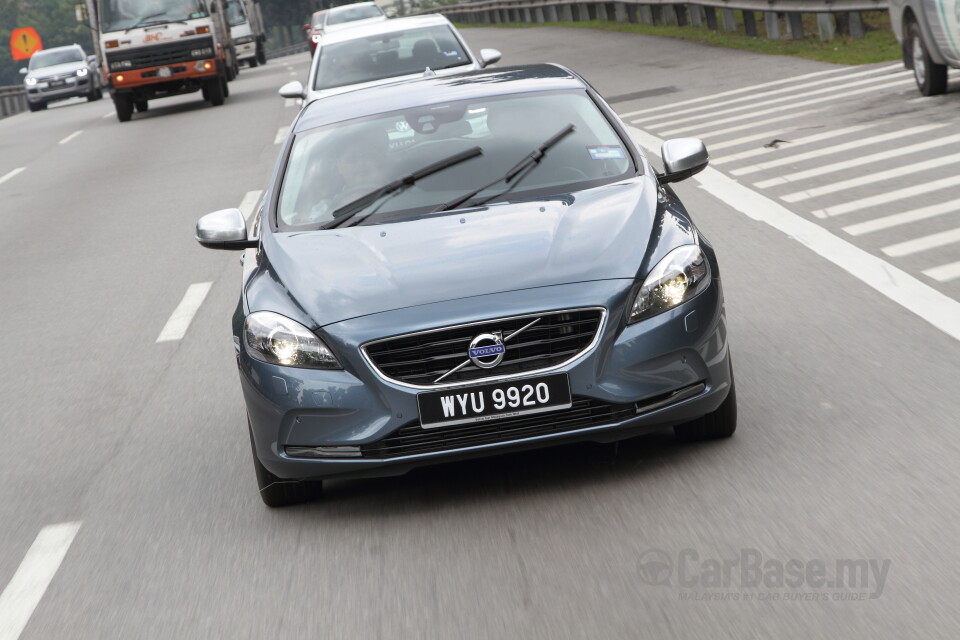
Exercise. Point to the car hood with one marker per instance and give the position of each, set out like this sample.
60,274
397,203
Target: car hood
55,70
334,275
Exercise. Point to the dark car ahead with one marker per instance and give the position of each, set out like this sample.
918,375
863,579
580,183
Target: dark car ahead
465,265
61,73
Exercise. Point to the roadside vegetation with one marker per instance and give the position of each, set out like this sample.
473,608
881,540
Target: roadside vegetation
878,45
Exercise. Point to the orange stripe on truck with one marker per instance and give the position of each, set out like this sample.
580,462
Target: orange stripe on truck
152,75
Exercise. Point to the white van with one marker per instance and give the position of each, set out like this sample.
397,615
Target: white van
929,31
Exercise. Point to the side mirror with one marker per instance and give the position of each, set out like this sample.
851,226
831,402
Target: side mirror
92,59
306,27
489,56
23,71
293,90
224,229
682,158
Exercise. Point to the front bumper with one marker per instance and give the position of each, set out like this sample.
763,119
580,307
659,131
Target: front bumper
621,387
73,87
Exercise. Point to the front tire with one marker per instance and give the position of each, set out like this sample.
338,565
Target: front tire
124,107
252,63
277,492
261,54
931,78
213,91
717,424
141,105
35,106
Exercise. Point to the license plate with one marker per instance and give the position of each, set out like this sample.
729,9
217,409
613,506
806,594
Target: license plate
494,401
58,83
164,72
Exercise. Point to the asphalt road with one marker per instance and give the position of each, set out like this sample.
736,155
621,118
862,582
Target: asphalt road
846,450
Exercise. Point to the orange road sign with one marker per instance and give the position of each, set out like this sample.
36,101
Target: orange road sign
24,42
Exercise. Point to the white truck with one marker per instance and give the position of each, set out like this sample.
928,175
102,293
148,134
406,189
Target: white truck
157,48
929,31
246,29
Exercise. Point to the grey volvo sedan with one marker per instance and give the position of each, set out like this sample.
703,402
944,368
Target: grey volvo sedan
466,265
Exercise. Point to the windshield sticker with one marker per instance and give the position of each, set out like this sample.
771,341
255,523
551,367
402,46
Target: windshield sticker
451,54
606,152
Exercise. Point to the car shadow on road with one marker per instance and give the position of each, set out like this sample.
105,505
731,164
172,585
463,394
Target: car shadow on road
557,469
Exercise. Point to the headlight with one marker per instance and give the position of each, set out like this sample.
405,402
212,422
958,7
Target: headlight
81,72
682,274
31,82
276,339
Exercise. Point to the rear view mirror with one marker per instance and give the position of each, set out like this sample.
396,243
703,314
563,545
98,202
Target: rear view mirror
23,71
489,56
224,229
292,90
92,59
682,158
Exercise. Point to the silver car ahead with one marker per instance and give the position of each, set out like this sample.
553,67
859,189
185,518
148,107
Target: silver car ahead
61,73
388,51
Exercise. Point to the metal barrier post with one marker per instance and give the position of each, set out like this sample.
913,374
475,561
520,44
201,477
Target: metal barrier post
696,15
827,26
750,23
857,29
711,13
729,20
772,23
646,14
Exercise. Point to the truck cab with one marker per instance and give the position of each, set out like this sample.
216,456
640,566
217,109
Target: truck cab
247,31
929,32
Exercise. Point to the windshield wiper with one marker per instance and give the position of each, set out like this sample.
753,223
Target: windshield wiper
352,208
534,157
145,22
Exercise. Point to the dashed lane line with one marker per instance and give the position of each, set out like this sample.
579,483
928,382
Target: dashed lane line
70,137
932,241
250,200
944,273
33,576
910,293
11,174
888,197
281,135
182,316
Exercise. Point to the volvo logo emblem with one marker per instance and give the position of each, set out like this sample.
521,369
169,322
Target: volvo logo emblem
486,350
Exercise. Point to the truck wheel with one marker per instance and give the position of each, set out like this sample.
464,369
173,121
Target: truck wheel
277,492
931,77
124,107
253,62
33,107
261,54
213,91
717,424
141,105
226,89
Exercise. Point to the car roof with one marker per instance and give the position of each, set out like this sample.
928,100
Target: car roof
344,7
369,101
380,28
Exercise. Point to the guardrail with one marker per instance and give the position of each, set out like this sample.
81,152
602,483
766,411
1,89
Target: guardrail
829,13
13,99
287,51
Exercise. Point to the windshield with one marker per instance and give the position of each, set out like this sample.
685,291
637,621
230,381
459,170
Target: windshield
50,58
318,19
353,14
388,56
334,165
118,15
235,13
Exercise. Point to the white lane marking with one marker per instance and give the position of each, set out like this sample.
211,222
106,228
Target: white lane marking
800,89
843,165
11,174
70,137
878,176
33,576
751,125
932,241
250,200
291,102
890,196
281,135
293,73
182,316
733,92
787,146
107,115
917,297
844,88
846,146
915,215
944,273
796,105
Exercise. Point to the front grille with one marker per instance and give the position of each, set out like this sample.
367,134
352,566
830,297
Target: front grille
160,55
421,358
412,439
